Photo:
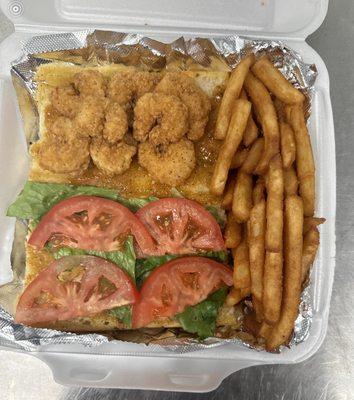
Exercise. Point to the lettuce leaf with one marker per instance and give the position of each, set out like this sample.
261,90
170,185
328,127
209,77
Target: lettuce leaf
123,314
219,214
125,259
201,318
36,198
145,266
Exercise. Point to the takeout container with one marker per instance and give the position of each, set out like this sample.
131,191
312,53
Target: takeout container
127,365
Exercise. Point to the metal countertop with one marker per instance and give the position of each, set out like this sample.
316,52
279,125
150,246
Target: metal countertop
329,374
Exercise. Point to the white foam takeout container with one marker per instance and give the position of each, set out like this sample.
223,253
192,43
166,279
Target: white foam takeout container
127,365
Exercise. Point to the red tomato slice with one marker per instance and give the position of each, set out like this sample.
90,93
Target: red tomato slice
181,226
75,286
177,284
91,223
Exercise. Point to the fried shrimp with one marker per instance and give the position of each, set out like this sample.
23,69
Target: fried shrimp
65,101
192,96
90,118
171,164
160,118
60,126
90,83
125,87
116,123
111,158
62,154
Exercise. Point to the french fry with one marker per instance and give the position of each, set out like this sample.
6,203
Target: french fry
310,247
233,232
253,157
242,277
241,112
256,242
242,199
272,286
312,222
251,132
229,192
264,330
305,165
292,273
265,110
236,295
239,158
276,83
274,208
287,144
291,183
232,92
258,191
279,108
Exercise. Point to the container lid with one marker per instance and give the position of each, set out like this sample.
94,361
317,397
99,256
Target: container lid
287,19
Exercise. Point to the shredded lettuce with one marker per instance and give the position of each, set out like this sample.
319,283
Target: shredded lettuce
36,198
123,314
125,259
201,318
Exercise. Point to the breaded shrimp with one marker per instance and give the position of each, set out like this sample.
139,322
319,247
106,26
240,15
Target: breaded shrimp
192,96
65,101
171,164
111,158
128,86
62,154
90,118
90,83
160,118
116,123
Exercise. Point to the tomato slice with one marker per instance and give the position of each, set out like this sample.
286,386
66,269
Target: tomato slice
181,226
177,284
91,223
75,286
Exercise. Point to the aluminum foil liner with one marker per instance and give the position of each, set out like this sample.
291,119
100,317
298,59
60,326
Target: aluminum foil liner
101,47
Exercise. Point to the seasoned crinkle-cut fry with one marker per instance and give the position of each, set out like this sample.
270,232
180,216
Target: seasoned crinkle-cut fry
241,112
239,158
256,243
242,200
242,277
265,111
275,193
292,273
258,190
276,83
236,295
305,165
291,183
287,144
229,192
272,286
310,247
233,232
312,222
253,157
231,93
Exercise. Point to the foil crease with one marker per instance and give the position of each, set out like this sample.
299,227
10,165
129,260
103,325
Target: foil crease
96,47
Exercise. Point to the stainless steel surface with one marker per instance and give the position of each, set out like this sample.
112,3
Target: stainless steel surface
329,374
